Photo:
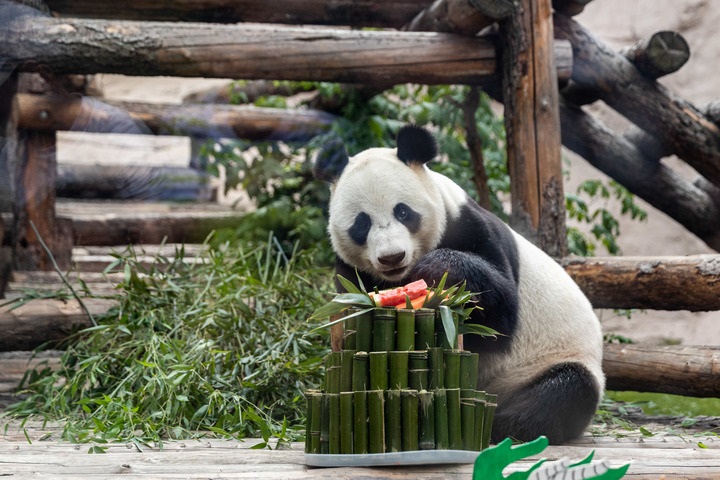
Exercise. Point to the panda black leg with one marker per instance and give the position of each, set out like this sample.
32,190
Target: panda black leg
559,404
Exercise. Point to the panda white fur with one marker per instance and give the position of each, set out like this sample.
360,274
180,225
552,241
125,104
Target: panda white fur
397,221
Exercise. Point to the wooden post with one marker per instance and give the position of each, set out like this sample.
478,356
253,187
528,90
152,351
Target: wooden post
8,140
532,123
35,196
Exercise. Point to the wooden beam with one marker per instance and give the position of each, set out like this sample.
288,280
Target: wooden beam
680,370
248,51
660,283
60,112
682,127
688,204
35,221
41,321
530,94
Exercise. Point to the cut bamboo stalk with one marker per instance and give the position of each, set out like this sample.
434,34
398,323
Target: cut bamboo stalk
454,418
437,367
378,370
325,425
479,424
360,423
442,441
487,423
346,365
334,423
405,329
350,334
393,421
346,422
452,368
426,420
376,425
360,371
398,369
315,426
409,400
467,411
332,373
363,332
468,370
418,378
425,329
383,330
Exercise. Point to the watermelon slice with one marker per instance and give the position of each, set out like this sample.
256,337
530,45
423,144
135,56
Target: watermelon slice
396,296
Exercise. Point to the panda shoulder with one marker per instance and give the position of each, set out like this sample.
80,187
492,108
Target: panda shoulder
453,196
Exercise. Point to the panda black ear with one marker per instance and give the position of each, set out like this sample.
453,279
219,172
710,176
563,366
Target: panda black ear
415,144
330,161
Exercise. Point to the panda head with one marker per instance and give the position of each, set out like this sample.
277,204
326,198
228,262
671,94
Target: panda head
386,207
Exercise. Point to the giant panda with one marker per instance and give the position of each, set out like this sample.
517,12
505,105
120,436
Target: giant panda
392,220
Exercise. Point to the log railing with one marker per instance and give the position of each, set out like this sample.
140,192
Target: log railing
435,44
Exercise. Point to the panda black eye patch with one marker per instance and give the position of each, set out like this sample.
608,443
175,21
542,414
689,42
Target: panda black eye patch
407,216
360,228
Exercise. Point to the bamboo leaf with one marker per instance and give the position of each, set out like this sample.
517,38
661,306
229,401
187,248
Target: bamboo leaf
349,286
342,319
477,329
448,324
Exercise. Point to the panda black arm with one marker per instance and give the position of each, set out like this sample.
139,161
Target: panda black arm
498,292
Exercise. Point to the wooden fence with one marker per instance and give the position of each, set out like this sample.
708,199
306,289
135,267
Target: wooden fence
532,55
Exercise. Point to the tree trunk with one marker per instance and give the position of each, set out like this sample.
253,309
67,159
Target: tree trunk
678,370
652,181
649,282
55,112
683,128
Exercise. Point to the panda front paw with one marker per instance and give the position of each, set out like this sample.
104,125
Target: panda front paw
434,265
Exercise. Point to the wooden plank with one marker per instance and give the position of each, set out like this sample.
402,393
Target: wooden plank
37,321
233,460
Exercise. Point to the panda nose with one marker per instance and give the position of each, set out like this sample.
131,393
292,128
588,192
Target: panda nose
391,260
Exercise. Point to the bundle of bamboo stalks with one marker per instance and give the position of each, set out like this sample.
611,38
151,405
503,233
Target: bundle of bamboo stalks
398,385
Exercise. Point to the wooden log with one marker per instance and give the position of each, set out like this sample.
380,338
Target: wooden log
530,95
8,162
41,321
358,13
249,51
680,370
150,228
683,128
59,112
654,182
35,221
660,54
380,58
660,283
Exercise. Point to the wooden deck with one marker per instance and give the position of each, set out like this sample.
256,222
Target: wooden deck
659,457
